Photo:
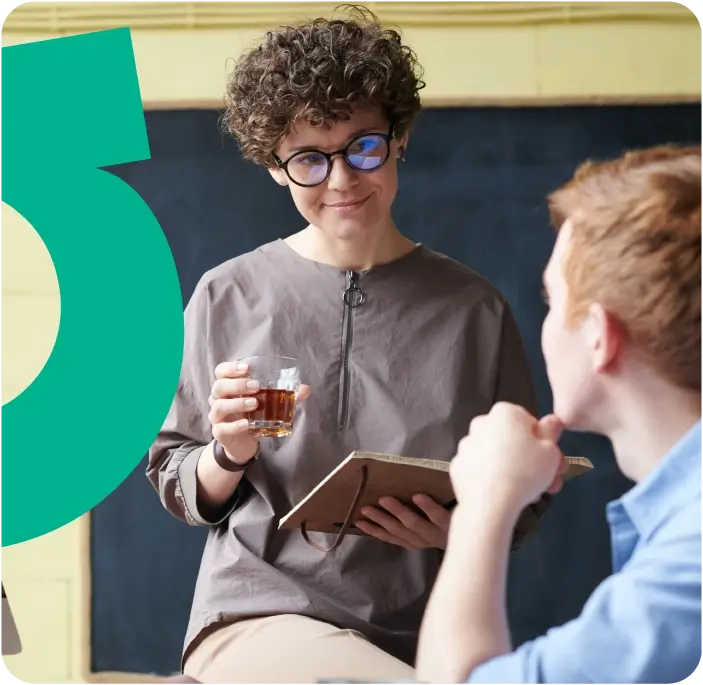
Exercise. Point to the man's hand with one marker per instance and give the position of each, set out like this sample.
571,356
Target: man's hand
510,457
393,522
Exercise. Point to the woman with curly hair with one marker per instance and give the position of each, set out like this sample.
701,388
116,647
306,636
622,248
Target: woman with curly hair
401,348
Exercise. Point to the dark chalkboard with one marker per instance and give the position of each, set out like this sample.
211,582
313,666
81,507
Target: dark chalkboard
473,187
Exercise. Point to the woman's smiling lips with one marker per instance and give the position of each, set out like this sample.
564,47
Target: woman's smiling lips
348,205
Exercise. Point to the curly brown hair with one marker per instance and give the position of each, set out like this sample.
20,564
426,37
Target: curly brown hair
316,72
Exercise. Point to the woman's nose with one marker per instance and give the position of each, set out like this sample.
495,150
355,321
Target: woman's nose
342,176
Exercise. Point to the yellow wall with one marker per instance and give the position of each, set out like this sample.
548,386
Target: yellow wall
47,580
467,65
29,288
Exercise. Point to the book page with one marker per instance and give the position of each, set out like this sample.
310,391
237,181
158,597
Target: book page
435,464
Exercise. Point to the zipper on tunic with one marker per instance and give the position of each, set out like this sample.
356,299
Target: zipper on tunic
353,298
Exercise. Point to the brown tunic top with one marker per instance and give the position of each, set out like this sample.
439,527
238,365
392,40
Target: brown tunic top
432,345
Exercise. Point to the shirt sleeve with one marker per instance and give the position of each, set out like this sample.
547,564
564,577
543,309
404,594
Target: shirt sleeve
514,382
173,457
642,624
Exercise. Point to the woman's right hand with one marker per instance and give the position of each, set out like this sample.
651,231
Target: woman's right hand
231,399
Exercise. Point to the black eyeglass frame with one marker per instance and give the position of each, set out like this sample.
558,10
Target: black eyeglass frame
388,137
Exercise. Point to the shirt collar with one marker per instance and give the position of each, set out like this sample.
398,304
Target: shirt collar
675,482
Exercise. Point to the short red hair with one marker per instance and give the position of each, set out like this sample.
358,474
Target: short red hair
635,248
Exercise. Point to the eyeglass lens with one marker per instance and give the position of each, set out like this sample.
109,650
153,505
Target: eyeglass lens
366,153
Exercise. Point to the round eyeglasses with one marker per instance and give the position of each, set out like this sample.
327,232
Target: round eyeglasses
365,153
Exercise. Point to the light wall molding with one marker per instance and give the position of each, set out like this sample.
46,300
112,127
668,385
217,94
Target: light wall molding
73,17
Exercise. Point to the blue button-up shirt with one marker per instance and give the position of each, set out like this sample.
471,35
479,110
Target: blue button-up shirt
643,623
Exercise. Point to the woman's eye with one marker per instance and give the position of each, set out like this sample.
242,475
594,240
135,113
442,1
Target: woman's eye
312,159
367,144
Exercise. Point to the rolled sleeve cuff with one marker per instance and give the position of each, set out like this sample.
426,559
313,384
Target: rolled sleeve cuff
197,514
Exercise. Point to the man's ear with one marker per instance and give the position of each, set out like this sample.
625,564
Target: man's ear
605,337
278,175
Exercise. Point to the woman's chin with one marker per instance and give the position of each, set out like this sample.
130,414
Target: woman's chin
349,229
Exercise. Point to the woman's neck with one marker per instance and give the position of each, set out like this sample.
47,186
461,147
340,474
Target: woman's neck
351,255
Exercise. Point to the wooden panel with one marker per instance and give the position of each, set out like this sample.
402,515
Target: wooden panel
55,556
42,613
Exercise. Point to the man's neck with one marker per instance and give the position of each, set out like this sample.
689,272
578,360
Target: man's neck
383,248
649,426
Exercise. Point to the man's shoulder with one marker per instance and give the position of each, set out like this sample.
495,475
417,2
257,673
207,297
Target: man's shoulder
672,551
684,522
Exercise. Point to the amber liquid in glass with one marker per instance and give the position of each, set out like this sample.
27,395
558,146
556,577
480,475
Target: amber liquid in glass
273,417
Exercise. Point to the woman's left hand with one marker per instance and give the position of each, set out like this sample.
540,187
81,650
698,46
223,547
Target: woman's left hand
393,522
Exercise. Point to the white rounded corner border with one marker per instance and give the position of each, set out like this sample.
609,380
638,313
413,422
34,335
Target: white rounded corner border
6,6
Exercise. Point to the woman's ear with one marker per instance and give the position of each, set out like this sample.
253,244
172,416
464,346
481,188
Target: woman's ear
402,146
278,175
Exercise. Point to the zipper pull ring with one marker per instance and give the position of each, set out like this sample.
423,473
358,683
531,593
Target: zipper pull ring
352,296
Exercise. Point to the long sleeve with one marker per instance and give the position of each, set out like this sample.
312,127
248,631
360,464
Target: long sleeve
514,384
173,457
642,625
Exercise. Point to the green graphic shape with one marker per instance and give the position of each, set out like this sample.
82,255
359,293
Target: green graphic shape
70,106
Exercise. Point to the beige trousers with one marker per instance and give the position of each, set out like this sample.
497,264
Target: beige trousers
290,649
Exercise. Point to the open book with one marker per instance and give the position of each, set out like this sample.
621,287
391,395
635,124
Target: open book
363,477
